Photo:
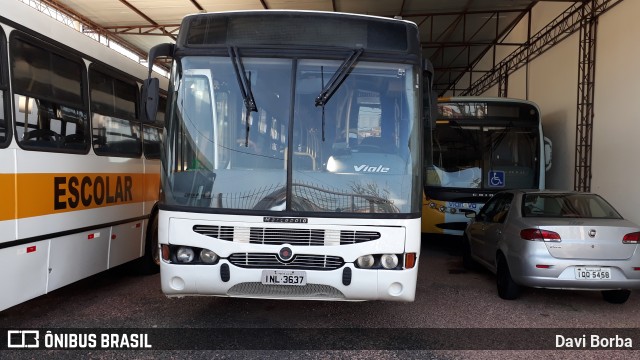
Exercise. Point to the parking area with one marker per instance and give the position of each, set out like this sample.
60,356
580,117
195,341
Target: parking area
448,297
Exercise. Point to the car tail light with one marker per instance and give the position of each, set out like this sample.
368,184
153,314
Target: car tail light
631,238
540,235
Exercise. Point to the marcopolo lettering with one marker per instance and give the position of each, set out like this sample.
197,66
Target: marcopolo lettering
70,192
285,220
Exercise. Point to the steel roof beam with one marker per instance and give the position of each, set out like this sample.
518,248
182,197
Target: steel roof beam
144,16
557,30
152,30
88,24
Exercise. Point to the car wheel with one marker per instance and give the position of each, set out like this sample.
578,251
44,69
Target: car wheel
507,288
467,261
616,296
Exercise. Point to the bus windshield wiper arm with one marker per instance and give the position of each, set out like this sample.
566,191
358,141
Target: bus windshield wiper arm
245,88
338,77
336,80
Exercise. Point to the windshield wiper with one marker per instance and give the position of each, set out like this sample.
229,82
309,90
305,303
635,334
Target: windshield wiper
245,88
338,77
336,80
498,140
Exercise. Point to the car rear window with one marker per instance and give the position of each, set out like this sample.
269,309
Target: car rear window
567,205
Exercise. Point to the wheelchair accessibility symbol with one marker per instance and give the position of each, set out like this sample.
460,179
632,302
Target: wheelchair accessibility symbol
496,178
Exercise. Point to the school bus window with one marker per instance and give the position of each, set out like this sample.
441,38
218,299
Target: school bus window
152,133
116,130
4,91
49,106
3,116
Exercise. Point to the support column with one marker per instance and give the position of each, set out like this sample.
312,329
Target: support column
586,84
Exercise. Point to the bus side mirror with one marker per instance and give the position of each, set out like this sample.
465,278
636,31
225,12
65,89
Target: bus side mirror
149,100
150,92
547,153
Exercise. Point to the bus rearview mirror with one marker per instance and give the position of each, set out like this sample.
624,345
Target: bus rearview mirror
149,100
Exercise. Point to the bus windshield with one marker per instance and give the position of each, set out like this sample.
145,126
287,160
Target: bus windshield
480,145
466,156
353,153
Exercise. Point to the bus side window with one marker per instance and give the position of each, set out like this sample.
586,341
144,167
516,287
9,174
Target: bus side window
152,133
4,92
116,130
49,103
3,117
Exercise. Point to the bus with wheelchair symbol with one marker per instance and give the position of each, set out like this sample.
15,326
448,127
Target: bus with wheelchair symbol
496,178
478,146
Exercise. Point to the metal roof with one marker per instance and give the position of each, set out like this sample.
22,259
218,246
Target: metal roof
455,34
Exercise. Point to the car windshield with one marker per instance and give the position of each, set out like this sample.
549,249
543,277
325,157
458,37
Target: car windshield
568,205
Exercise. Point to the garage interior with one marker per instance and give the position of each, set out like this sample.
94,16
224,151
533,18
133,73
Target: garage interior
575,59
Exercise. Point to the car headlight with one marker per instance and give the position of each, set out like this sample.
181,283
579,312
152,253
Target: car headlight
389,261
208,257
185,254
365,261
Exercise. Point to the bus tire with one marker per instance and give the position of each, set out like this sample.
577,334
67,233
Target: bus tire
149,263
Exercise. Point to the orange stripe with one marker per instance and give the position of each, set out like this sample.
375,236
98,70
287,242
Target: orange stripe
8,188
151,187
44,194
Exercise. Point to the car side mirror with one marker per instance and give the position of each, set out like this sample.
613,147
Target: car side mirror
470,214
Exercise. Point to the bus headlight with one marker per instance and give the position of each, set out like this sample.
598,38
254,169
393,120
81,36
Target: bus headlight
389,261
208,257
365,261
185,254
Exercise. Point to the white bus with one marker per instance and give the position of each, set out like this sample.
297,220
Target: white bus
79,173
478,146
292,162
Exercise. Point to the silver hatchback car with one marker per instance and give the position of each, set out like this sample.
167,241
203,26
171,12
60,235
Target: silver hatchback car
556,240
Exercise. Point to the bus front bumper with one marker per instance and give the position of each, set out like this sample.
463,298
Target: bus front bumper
225,279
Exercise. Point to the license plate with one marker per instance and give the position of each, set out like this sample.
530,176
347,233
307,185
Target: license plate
593,273
284,277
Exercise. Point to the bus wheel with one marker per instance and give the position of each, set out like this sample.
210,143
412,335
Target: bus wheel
150,261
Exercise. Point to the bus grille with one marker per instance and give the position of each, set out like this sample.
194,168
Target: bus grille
278,236
275,236
299,262
355,237
220,232
310,291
